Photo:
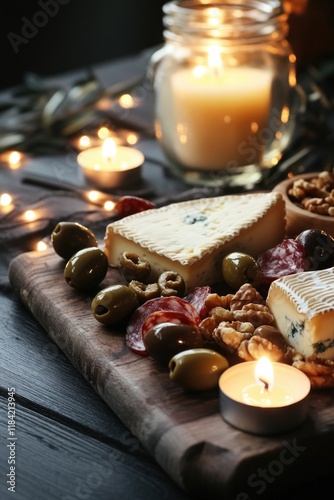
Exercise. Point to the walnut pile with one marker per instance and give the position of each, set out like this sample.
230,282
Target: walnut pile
315,195
241,324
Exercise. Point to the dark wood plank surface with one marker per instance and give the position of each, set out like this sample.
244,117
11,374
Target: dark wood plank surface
185,433
84,464
66,434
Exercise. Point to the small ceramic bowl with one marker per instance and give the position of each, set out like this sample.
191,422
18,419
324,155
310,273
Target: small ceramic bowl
298,219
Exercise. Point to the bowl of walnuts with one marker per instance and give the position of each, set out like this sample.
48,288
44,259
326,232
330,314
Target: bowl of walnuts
309,202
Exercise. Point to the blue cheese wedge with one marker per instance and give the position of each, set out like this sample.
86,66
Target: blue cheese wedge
303,307
192,237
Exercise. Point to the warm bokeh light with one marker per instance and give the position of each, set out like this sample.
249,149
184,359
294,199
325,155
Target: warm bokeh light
214,17
285,114
30,215
93,195
41,246
109,206
295,6
103,133
132,139
84,141
14,159
5,200
126,101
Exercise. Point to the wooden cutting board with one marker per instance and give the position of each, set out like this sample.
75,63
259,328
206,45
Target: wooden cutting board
184,432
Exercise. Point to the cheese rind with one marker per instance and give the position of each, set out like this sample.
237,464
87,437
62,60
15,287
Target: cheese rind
192,237
303,307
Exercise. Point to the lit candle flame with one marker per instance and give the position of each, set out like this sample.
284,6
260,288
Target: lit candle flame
108,149
264,374
215,61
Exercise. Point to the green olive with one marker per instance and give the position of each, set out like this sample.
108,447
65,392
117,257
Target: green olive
113,304
164,340
197,369
86,268
240,268
144,291
170,284
134,267
69,237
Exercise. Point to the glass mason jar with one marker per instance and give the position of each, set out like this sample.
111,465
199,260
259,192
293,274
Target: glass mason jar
223,85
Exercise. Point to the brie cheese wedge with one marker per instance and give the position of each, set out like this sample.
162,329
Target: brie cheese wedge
303,307
192,237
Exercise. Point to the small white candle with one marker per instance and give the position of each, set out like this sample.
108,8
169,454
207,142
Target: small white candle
209,116
111,166
264,397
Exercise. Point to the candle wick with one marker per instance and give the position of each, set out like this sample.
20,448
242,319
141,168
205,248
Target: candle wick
265,384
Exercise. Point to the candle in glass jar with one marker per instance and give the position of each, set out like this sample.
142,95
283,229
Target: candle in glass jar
264,397
213,116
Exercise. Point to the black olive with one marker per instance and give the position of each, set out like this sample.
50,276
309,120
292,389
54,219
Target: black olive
164,340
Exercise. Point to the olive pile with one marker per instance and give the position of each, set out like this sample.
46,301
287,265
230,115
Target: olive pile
178,346
137,271
86,265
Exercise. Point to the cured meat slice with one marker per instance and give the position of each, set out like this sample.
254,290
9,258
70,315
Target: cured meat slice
197,299
129,205
167,317
285,258
134,331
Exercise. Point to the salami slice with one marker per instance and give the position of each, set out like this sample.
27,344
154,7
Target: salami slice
197,299
167,317
134,335
129,205
285,258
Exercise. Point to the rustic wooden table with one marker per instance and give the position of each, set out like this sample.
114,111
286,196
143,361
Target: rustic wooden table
64,440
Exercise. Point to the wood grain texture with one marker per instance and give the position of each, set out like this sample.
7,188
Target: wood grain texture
185,433
43,377
83,467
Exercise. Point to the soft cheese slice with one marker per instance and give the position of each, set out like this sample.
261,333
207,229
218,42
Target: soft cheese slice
192,237
303,307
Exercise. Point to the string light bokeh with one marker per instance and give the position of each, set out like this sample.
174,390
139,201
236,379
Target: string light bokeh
15,160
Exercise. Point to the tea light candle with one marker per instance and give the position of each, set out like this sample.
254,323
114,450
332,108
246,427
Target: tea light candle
262,397
209,113
111,166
